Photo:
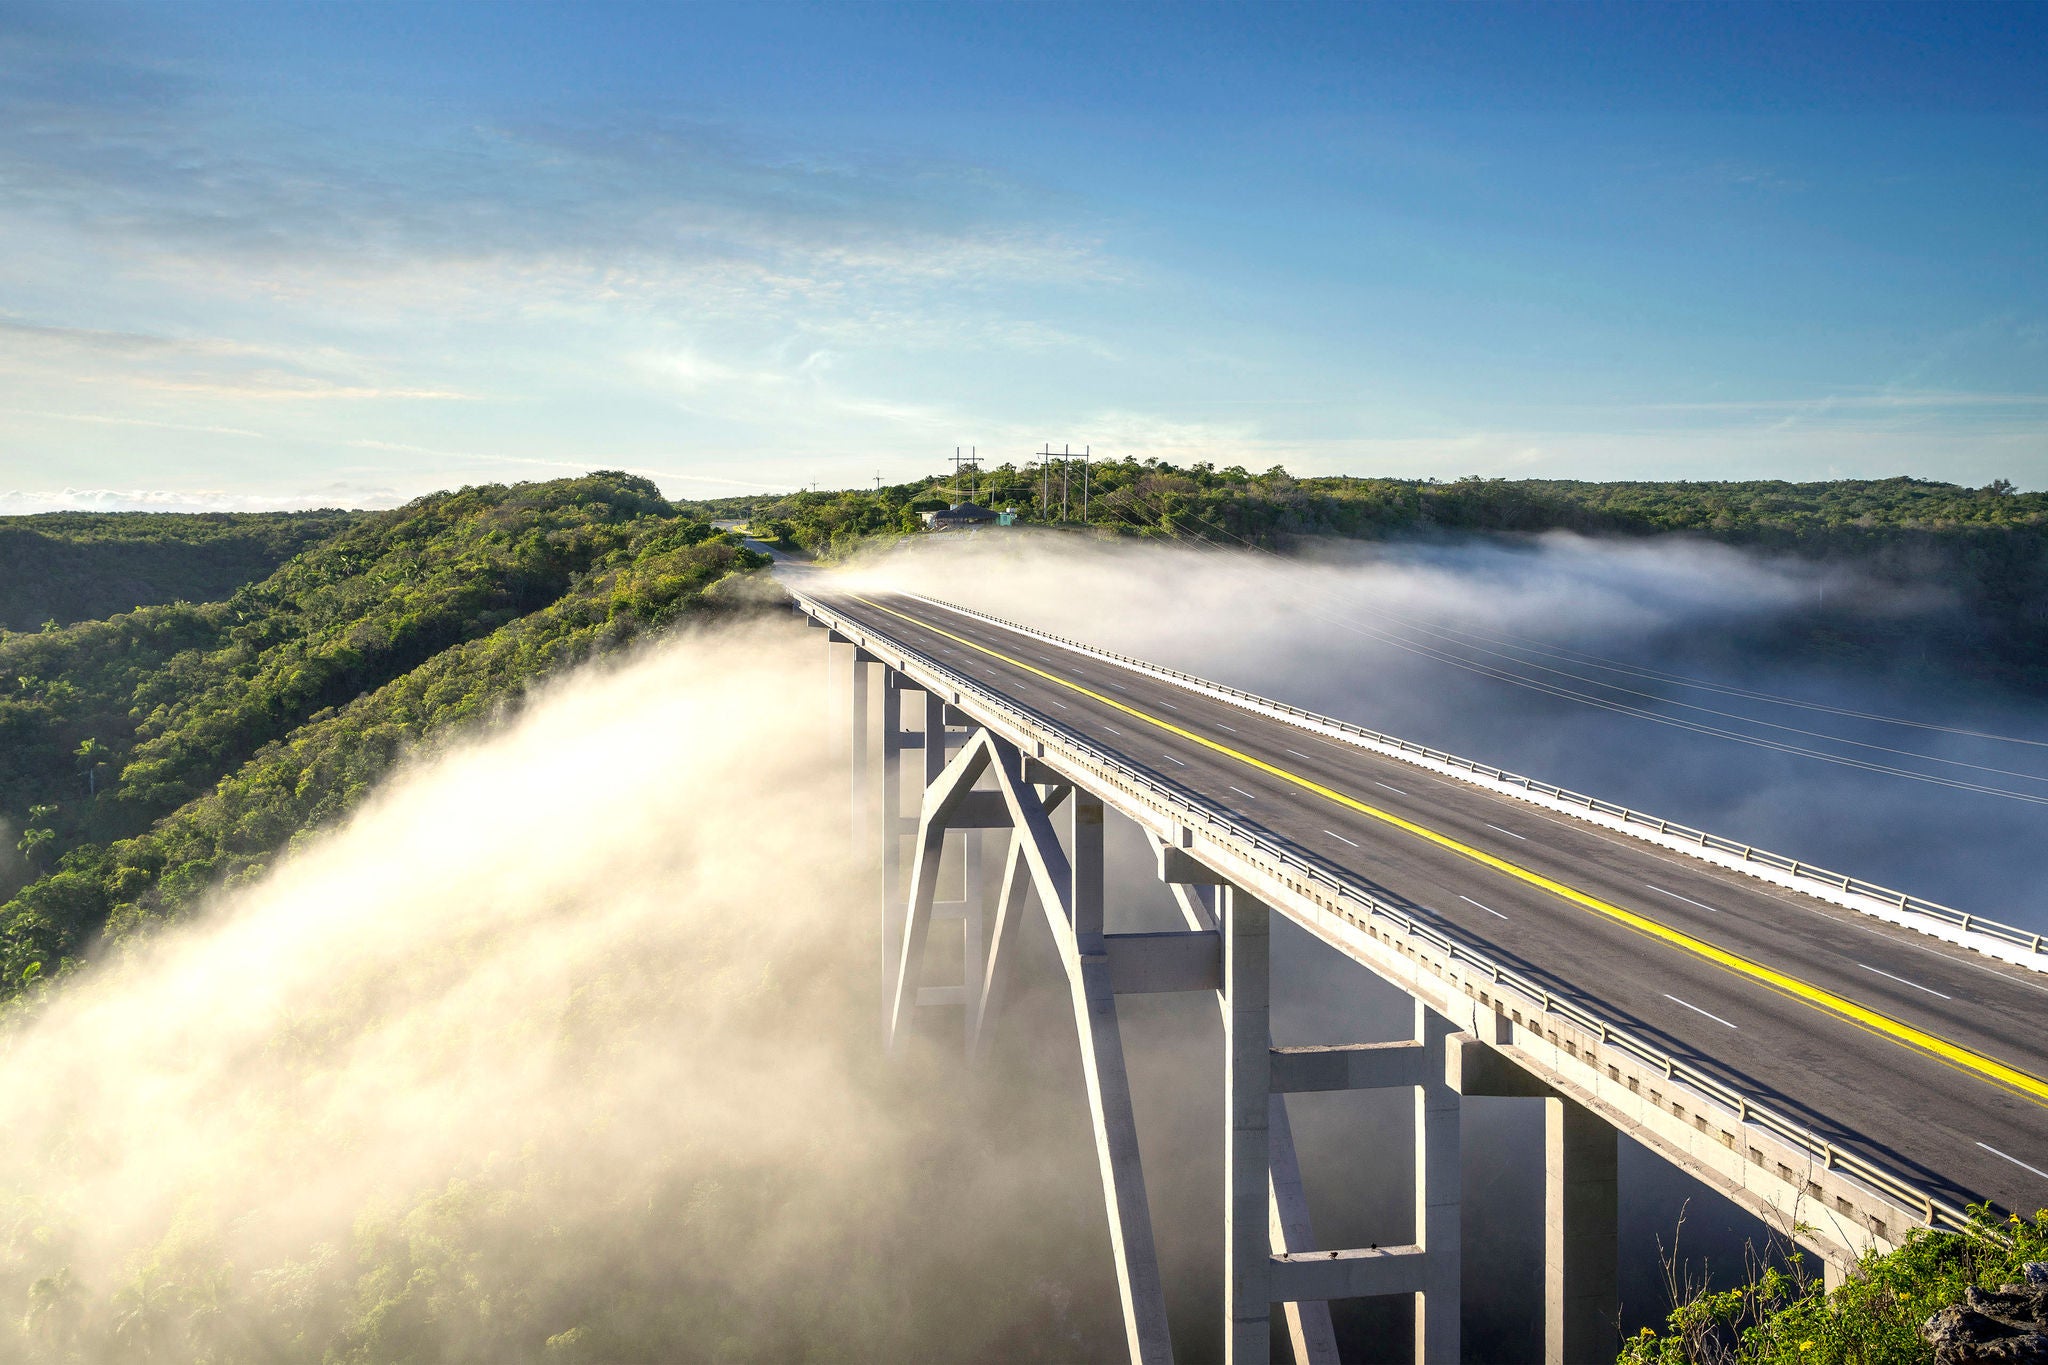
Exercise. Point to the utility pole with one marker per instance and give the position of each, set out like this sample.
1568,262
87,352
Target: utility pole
1066,466
1086,452
969,463
1045,483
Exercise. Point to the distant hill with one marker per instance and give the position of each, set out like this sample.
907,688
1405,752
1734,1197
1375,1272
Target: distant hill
80,566
151,755
1988,546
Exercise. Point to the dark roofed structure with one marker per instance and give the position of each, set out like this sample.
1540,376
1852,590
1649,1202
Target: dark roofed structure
960,514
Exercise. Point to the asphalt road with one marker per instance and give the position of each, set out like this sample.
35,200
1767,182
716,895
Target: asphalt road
1917,1085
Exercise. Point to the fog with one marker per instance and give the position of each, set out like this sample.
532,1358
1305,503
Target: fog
563,1049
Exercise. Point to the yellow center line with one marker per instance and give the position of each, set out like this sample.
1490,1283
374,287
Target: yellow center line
1963,1058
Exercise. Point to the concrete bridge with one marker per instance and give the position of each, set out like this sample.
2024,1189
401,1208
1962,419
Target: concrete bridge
1846,1061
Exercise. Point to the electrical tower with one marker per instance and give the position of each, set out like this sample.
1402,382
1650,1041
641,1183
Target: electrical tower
1066,457
970,464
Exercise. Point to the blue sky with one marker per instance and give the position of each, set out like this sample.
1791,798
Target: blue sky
257,255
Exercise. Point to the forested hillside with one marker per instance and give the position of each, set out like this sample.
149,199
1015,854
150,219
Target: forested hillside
80,566
1988,546
149,756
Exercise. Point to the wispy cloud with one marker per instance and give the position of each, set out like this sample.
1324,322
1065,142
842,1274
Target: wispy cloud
16,502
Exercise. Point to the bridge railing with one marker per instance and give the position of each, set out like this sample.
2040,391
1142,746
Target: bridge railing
1749,853
1192,810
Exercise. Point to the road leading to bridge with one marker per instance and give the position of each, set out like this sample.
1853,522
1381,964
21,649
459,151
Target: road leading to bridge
1913,1053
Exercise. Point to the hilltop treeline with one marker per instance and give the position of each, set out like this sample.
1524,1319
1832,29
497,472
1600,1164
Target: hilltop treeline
79,566
1989,545
150,756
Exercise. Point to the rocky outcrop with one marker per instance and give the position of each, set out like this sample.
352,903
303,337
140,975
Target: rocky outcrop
2006,1326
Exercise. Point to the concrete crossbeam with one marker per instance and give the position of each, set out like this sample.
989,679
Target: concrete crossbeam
1351,1066
1177,867
1328,1275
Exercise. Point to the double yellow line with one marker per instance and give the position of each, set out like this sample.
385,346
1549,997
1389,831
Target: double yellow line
1961,1058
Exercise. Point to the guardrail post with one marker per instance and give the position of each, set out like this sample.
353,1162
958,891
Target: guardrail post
1247,1063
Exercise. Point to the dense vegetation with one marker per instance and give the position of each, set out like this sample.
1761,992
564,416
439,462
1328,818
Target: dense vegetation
1874,1318
80,566
1988,545
150,756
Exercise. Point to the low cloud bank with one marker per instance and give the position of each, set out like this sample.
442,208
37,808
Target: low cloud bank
562,1050
1359,631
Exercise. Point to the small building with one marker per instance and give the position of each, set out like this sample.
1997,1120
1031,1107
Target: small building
960,516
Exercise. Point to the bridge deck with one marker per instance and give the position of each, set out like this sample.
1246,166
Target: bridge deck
1941,1079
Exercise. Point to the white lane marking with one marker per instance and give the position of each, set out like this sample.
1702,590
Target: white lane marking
1299,754
1062,705
1487,908
1112,729
1120,687
1242,792
1696,1009
1510,833
2014,1160
1675,896
1171,759
1221,726
1389,786
1169,706
1046,657
1902,980
1339,838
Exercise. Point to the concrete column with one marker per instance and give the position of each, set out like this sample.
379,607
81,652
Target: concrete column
1439,1193
835,698
859,726
1581,1296
934,739
1247,1081
973,891
892,787
1085,856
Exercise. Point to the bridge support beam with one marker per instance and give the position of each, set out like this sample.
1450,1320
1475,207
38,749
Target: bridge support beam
1581,1206
1439,1195
1581,1194
1248,1096
860,722
1069,888
1199,893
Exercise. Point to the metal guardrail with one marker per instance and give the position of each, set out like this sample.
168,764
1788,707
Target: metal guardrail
1837,881
1193,811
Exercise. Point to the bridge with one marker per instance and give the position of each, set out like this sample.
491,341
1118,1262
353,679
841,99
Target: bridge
1846,1061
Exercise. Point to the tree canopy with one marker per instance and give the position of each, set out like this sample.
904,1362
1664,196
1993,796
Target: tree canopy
149,756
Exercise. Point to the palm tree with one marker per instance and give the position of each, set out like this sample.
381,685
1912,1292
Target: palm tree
92,756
